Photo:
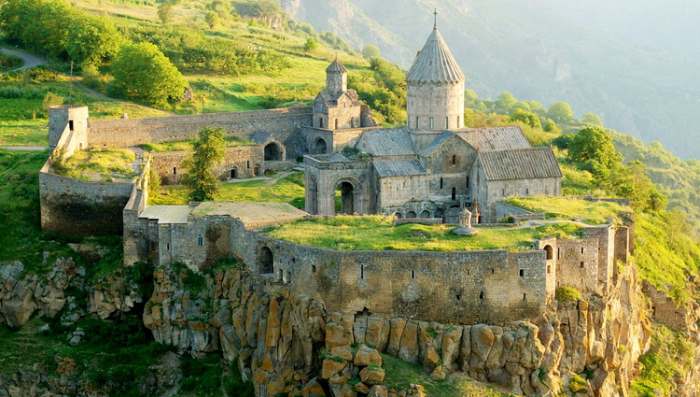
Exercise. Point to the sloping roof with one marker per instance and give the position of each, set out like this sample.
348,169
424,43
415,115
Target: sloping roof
336,67
386,168
533,163
495,138
387,142
435,63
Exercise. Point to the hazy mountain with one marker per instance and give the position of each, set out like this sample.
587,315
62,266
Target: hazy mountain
634,62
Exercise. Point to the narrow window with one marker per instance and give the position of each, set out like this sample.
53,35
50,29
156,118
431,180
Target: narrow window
524,297
457,121
336,124
70,125
441,183
320,122
447,123
416,126
582,265
522,273
481,295
493,271
247,163
582,250
459,297
503,192
467,182
558,253
281,275
294,260
527,191
167,247
362,272
200,241
313,268
432,123
549,269
454,193
289,277
413,274
454,159
174,170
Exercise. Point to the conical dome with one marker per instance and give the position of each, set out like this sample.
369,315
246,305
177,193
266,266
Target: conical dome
435,63
336,67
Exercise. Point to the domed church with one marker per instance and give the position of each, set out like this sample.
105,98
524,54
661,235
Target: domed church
432,167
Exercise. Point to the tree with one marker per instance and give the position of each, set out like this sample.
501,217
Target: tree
505,102
221,8
592,119
310,44
526,117
93,41
561,112
208,153
142,72
165,12
371,51
593,148
633,183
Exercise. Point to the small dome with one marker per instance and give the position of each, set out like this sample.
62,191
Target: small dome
336,67
435,63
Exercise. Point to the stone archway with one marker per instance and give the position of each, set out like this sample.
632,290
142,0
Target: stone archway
320,146
233,173
273,152
346,205
265,261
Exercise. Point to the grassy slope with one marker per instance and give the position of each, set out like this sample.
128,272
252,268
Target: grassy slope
571,208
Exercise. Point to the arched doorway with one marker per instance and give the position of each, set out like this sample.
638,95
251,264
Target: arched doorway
411,215
273,152
425,214
265,261
320,146
345,191
549,251
233,174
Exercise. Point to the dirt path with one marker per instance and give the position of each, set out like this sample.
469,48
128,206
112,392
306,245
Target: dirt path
29,60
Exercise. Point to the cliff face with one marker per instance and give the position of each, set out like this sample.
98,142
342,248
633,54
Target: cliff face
291,344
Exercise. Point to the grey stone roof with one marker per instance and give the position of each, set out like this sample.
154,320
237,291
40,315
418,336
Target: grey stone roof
386,168
387,142
494,138
336,67
532,163
435,63
437,142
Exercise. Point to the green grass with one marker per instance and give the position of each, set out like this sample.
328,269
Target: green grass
571,208
98,165
286,190
669,360
9,62
379,233
666,254
32,132
400,375
188,145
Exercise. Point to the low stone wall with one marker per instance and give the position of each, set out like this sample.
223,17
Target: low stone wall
239,162
79,208
123,133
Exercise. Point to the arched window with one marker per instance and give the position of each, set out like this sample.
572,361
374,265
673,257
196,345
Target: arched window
549,251
265,261
454,159
200,241
411,215
273,152
425,214
320,122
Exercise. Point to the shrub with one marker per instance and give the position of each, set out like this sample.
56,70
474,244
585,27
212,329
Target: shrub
142,72
568,293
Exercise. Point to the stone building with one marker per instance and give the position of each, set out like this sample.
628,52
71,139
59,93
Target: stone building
434,164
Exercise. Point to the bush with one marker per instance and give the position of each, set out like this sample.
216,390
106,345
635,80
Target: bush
568,293
143,73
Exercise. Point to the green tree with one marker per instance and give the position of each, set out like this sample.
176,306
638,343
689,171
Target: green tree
593,149
221,8
165,12
207,155
212,19
633,183
505,102
371,51
592,119
142,72
561,112
310,45
526,117
93,41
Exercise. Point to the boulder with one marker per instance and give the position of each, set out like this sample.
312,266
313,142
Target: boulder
331,367
397,326
378,391
408,350
372,375
367,356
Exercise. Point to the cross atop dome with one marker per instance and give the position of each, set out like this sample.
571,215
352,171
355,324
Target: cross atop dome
436,14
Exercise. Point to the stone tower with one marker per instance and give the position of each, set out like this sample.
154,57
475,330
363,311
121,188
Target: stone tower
336,78
435,88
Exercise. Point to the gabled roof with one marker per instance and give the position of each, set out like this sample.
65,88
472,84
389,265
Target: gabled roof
532,163
387,142
494,138
439,141
435,63
388,168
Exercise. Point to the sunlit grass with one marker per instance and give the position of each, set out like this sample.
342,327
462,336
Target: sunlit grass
98,165
379,233
571,208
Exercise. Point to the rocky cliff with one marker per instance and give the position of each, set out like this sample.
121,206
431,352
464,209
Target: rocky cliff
292,344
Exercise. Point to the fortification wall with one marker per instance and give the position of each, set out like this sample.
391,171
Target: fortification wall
279,123
79,208
577,264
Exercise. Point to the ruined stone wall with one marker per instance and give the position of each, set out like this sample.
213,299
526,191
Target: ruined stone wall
278,123
80,208
577,264
68,129
244,161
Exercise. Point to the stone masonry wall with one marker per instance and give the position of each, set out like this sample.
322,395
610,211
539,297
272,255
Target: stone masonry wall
247,161
279,123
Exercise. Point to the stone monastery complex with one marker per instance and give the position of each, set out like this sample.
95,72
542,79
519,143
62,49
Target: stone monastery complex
433,170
